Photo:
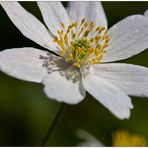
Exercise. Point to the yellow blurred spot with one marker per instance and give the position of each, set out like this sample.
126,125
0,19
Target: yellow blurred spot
124,138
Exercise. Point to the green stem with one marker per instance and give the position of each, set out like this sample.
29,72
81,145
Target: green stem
52,125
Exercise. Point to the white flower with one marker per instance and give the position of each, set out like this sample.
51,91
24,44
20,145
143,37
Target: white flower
88,139
82,52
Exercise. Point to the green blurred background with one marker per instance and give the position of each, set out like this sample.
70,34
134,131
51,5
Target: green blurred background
26,113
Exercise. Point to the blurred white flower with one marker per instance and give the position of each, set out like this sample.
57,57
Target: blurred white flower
119,138
88,139
82,48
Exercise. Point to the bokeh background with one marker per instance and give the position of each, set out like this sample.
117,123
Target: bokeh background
26,113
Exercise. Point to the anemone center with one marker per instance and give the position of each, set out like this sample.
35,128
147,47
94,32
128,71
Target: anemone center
82,43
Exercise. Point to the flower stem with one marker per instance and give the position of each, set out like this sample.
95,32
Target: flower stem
52,125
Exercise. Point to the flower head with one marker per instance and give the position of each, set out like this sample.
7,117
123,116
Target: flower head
83,47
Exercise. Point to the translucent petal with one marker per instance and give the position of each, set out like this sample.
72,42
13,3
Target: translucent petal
131,79
109,95
58,87
29,26
23,63
128,38
92,11
53,14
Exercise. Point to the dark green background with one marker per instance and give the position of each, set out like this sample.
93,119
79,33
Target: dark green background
25,111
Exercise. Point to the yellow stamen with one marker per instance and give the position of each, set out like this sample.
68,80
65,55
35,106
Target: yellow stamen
62,25
86,33
84,44
92,25
83,20
69,57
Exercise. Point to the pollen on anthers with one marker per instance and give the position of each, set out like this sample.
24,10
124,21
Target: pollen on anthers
82,43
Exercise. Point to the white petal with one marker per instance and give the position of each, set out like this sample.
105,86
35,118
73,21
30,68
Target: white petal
30,27
146,13
107,94
128,38
59,88
89,140
23,63
131,79
53,14
92,11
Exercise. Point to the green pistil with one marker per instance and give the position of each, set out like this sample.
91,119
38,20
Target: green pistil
81,43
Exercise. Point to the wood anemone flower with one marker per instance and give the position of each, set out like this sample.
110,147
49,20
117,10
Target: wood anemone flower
83,49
